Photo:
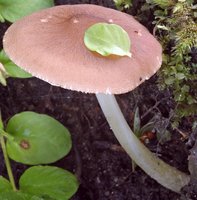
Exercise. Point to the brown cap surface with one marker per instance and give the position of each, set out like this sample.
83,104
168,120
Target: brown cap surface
49,44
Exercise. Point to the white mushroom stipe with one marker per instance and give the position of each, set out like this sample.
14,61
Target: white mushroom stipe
151,164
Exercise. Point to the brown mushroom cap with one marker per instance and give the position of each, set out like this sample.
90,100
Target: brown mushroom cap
49,44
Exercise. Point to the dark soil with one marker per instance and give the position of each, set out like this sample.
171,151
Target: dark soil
102,166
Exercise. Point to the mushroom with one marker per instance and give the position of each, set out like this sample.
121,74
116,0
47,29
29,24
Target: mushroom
49,44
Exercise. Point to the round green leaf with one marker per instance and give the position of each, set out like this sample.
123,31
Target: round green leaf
5,185
53,182
38,139
107,39
17,196
13,10
12,69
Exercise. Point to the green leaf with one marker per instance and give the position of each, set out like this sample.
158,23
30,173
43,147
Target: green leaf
180,76
147,127
38,139
13,10
2,79
178,8
17,196
1,122
2,20
53,182
107,39
169,80
185,88
123,4
16,72
136,123
5,185
192,165
12,70
162,3
162,27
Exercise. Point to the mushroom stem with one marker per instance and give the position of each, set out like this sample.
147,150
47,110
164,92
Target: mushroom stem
163,173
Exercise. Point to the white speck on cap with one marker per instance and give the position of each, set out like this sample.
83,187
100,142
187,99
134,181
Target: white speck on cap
75,21
56,52
44,20
139,33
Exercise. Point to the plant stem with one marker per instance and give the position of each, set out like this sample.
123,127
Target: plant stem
163,173
6,135
2,20
7,163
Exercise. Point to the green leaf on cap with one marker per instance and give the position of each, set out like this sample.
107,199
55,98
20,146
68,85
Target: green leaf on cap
47,181
12,10
107,39
38,139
